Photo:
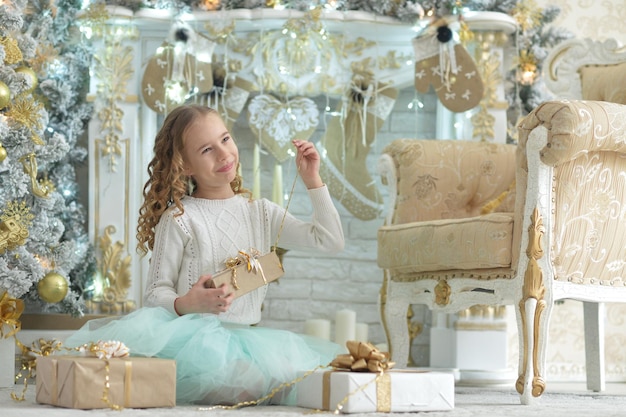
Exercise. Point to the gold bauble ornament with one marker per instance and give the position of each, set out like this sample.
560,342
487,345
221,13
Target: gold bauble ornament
3,153
5,95
52,288
30,74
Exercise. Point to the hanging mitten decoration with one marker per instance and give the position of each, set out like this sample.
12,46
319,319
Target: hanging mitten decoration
349,137
276,123
180,69
229,94
443,62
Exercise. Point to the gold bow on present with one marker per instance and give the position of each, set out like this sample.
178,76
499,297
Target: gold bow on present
363,357
10,311
252,264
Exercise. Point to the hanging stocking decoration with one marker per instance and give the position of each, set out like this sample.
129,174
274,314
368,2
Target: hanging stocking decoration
180,69
348,140
443,62
229,94
276,123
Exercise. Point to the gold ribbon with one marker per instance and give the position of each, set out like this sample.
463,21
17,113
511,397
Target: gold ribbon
326,390
362,357
383,392
128,371
10,311
55,382
29,360
128,376
232,264
102,350
252,264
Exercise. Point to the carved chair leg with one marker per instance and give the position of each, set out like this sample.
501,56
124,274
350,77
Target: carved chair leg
531,383
393,317
534,314
398,332
594,345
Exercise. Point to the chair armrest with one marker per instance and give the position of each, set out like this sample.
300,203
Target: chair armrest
575,127
443,179
571,167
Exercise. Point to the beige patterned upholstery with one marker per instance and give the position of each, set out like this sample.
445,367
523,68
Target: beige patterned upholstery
442,187
558,233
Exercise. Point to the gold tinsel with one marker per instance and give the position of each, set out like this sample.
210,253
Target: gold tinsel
527,61
45,53
13,54
14,224
27,111
527,14
465,33
18,211
95,14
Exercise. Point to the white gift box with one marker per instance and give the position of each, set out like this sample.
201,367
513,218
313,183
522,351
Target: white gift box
363,392
7,358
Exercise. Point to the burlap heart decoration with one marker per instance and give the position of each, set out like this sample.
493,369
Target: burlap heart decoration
451,71
276,122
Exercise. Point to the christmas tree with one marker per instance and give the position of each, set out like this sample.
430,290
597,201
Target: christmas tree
45,255
535,39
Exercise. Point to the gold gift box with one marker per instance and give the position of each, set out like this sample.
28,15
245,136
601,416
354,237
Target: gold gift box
249,272
79,382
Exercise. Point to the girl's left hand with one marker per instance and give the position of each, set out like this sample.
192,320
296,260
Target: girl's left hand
308,163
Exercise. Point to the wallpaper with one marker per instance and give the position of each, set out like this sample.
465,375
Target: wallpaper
591,18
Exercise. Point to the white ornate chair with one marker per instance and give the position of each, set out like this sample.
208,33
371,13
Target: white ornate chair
559,233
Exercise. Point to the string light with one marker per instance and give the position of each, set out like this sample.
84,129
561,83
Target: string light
415,103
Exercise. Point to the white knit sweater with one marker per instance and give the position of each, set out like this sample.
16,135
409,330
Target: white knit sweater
211,231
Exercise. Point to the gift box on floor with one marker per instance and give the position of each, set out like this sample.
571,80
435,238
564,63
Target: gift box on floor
363,392
7,358
79,382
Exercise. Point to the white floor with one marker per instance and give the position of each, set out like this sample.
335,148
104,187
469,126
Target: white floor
560,400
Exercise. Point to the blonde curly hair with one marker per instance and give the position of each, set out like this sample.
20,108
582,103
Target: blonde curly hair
167,183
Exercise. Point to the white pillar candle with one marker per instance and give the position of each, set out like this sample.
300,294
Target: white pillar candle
317,328
361,332
345,327
277,190
256,172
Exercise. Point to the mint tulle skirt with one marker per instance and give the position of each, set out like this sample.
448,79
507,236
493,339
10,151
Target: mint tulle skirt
216,363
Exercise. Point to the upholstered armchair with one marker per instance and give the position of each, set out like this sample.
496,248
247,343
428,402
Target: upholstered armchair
436,247
528,224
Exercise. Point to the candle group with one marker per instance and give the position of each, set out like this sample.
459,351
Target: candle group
346,328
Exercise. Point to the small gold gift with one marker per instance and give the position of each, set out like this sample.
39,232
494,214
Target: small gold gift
249,271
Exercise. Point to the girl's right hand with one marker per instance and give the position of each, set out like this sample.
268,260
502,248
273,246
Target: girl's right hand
201,299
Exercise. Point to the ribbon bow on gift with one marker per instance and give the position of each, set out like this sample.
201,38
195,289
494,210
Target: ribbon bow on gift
105,349
10,311
252,264
363,357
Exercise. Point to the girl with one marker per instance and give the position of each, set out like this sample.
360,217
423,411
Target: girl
195,215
